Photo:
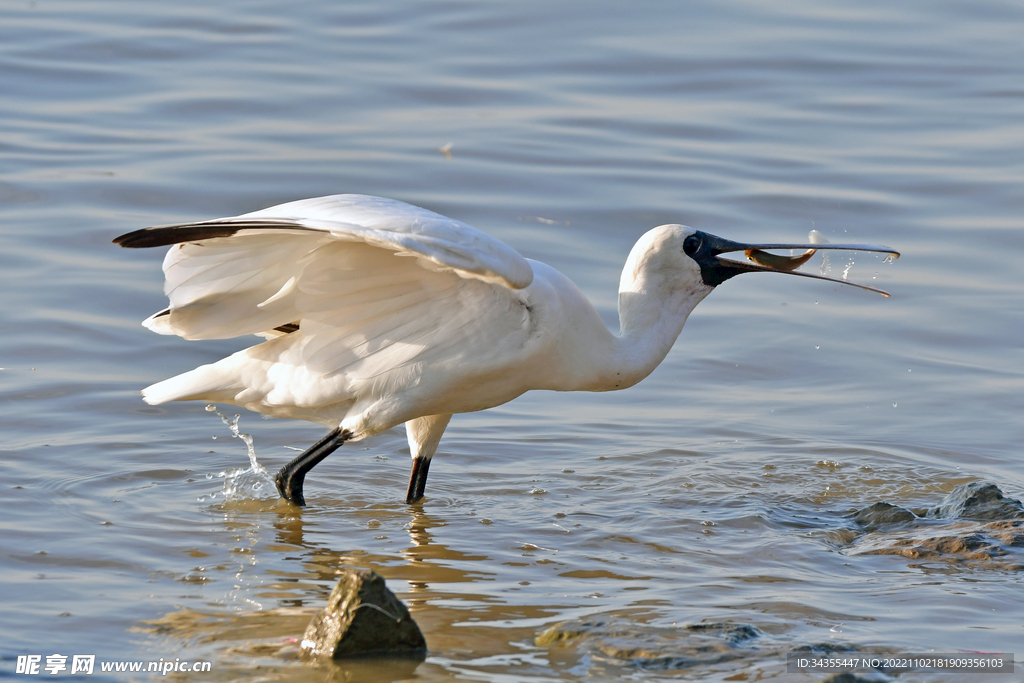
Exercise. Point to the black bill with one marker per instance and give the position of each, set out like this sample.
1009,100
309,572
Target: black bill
705,248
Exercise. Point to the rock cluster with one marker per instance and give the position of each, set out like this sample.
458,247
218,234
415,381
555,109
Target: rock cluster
974,525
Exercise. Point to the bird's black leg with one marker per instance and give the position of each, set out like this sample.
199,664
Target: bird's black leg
290,478
417,480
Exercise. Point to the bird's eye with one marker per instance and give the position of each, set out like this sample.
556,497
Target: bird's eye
692,244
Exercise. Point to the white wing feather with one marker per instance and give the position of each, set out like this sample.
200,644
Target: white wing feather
245,283
411,231
231,286
369,319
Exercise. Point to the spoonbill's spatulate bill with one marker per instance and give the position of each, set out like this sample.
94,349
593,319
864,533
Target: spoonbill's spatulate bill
378,313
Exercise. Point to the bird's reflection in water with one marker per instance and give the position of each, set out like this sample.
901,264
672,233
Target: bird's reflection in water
430,563
423,564
419,531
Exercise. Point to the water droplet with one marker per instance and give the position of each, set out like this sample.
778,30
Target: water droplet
209,475
817,346
894,404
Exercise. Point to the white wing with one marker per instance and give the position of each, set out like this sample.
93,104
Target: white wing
244,275
364,299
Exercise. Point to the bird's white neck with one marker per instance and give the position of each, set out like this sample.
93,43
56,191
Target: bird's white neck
655,299
651,317
659,288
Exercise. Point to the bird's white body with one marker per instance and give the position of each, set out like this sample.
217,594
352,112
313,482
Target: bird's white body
389,332
378,313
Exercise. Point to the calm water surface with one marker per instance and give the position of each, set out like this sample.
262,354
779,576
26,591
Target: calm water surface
715,492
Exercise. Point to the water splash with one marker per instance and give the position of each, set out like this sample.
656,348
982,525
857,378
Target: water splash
815,237
254,483
846,270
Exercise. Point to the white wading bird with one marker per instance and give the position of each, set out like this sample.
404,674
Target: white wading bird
378,313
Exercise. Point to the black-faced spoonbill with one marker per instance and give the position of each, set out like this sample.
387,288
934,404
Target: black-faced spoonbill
377,313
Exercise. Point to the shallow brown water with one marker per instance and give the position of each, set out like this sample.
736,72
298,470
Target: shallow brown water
715,492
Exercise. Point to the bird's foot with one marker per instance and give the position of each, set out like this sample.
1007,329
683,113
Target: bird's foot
289,485
291,477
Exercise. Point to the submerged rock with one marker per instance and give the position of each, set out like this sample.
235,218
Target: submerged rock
880,514
978,501
975,525
996,545
608,647
732,633
650,647
362,618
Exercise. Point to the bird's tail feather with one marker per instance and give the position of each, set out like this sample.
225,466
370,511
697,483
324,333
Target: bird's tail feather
205,382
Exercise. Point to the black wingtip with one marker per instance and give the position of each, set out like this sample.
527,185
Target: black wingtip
167,235
174,234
